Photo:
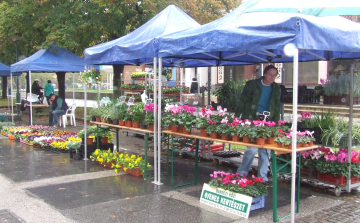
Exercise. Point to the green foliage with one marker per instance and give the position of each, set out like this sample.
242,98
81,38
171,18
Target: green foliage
338,85
338,130
223,129
229,93
333,167
201,123
137,112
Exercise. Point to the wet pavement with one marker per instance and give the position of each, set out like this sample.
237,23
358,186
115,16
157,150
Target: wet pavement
41,186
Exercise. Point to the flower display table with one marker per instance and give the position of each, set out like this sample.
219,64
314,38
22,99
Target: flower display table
146,133
274,152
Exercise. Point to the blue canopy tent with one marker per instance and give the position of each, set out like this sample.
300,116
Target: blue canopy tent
5,71
137,48
261,37
53,59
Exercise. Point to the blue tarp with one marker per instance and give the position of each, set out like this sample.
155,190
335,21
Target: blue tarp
54,59
261,37
137,47
5,71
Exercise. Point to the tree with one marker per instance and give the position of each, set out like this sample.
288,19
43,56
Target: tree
76,25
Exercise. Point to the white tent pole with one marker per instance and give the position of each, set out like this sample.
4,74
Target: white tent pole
159,124
85,133
181,83
294,133
12,103
155,122
31,120
73,88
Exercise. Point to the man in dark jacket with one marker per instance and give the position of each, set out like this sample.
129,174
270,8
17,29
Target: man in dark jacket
36,89
259,95
58,108
194,86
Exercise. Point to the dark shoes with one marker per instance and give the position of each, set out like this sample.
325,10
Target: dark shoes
267,183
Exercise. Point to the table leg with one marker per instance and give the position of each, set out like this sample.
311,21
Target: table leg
146,157
97,136
172,161
30,114
167,154
117,140
274,170
196,160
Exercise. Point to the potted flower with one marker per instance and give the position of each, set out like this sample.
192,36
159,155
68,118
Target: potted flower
262,131
138,114
248,131
128,118
73,147
202,121
211,129
105,157
233,183
105,134
280,140
134,165
234,130
223,129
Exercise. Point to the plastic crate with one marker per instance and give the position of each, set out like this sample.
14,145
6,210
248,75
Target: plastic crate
308,173
257,203
329,178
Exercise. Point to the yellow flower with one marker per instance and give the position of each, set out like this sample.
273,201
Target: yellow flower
121,155
91,157
116,170
108,160
92,69
125,169
117,166
133,157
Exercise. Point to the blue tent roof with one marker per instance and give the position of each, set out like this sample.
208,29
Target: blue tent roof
54,59
261,37
5,70
138,46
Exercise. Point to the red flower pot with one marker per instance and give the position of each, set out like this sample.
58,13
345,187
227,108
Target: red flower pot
186,131
246,139
214,135
152,127
260,141
236,138
135,124
89,141
174,128
105,140
121,123
270,140
181,128
224,137
128,123
204,133
98,119
279,145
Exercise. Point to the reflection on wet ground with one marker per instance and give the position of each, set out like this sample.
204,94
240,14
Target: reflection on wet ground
20,162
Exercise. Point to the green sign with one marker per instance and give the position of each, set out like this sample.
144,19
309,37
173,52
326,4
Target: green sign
225,200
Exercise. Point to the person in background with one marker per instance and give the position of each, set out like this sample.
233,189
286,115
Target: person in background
259,95
194,86
48,90
36,89
58,108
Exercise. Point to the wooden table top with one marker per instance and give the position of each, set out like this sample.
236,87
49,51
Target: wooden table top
34,105
122,127
266,146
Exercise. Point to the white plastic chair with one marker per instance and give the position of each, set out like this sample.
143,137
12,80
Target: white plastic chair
70,113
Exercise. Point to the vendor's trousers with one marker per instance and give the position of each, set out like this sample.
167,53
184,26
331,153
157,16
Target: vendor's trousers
53,117
262,163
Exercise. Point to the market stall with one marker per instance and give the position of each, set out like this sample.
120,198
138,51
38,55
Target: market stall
261,37
54,59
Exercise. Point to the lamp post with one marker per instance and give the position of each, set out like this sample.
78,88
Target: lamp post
16,39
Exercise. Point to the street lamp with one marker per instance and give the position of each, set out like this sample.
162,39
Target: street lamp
16,39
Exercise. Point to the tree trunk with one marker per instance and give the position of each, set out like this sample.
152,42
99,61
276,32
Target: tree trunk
27,77
4,87
118,70
61,84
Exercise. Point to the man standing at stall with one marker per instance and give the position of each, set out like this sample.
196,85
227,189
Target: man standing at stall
259,95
